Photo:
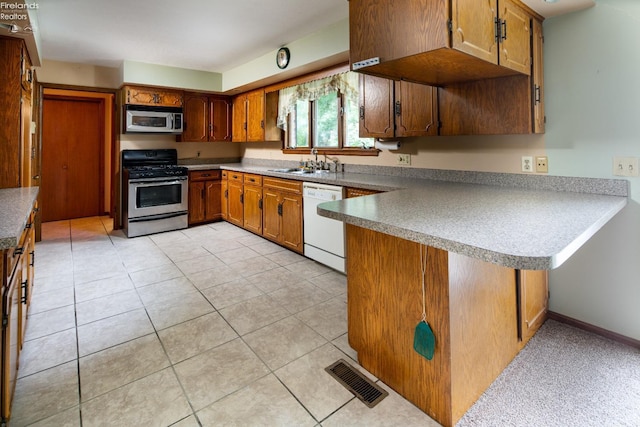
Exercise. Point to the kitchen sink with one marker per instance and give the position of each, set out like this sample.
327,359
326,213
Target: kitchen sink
298,171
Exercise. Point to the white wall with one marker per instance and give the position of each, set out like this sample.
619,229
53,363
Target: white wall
592,64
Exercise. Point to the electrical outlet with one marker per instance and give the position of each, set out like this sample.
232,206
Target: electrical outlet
403,159
625,166
542,164
527,164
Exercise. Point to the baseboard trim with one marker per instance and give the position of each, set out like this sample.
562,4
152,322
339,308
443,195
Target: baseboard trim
594,329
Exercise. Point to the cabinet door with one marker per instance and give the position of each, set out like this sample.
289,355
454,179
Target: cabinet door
291,225
219,119
10,341
213,208
270,214
473,23
224,196
196,202
376,107
416,109
196,123
534,301
236,208
515,46
253,208
239,119
538,78
169,98
255,116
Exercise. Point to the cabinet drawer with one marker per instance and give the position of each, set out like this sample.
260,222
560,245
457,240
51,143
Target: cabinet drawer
251,179
204,175
235,176
283,184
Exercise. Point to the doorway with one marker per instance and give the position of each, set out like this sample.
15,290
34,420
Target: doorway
74,141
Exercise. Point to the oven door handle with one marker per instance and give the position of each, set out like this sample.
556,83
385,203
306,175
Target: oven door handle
158,217
156,183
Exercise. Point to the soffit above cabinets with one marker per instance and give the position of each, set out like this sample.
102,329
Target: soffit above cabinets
558,7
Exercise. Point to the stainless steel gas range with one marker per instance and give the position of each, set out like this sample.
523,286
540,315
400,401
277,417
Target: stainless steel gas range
155,192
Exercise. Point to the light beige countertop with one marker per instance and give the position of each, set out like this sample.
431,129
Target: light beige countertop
532,222
15,206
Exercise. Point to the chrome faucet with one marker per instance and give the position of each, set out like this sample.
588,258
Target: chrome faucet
314,151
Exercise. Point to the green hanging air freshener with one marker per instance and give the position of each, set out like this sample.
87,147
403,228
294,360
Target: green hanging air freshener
424,341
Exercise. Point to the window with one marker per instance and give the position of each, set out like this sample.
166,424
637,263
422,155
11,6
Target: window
324,114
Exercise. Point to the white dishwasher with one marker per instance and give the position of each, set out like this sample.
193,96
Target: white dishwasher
323,237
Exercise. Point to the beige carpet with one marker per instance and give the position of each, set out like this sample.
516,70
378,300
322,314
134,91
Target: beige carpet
564,377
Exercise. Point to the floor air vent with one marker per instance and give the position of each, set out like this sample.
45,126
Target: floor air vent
357,383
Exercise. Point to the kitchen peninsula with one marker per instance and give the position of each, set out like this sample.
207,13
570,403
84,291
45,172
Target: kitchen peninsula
488,245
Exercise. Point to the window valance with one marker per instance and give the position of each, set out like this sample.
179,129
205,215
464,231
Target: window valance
345,83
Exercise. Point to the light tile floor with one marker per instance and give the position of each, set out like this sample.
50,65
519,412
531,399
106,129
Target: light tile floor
209,326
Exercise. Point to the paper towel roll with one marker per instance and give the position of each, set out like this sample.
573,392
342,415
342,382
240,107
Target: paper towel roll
387,145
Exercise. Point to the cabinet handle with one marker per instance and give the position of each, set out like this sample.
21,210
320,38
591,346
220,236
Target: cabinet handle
280,209
252,180
362,112
33,258
226,194
537,94
202,193
242,198
503,33
205,174
18,251
260,204
24,293
398,109
496,29
262,124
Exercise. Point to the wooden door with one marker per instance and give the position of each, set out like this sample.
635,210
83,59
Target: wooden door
253,208
538,78
196,202
534,301
473,24
416,109
196,111
270,214
291,225
236,208
72,167
224,197
213,208
515,46
219,119
376,107
239,119
255,116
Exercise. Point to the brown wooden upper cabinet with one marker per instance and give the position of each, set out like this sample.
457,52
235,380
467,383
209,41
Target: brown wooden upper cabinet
254,117
538,78
440,42
396,108
207,118
138,95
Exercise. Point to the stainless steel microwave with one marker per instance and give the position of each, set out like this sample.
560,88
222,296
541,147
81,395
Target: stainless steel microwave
149,119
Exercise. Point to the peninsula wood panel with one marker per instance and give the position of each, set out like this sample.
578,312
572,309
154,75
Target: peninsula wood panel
471,308
534,302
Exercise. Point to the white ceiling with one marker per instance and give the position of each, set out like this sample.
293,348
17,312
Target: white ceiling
210,35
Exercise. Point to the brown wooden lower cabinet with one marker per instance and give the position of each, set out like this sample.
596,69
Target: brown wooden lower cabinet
235,214
282,212
253,203
204,196
472,307
17,273
224,195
